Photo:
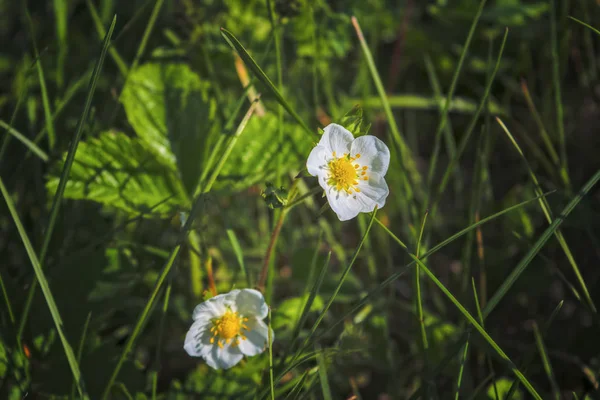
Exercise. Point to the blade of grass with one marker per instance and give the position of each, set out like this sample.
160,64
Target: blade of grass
80,348
161,331
30,145
564,170
418,298
70,93
450,94
533,251
140,51
309,302
7,301
471,127
64,176
60,16
322,363
252,65
586,25
546,360
549,217
239,255
298,386
121,65
338,286
538,120
474,203
461,370
447,131
433,250
478,327
277,36
197,205
22,92
412,101
407,160
529,357
46,290
489,361
43,88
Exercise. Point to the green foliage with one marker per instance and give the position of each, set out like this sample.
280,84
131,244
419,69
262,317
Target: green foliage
170,109
254,158
353,121
275,198
121,172
191,207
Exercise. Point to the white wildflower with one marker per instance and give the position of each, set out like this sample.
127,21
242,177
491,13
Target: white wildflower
350,170
228,327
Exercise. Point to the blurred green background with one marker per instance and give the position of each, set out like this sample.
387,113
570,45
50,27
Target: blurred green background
169,97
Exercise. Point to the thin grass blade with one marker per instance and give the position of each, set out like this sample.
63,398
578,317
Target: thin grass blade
64,176
322,363
46,290
539,341
479,328
21,138
549,217
43,89
251,64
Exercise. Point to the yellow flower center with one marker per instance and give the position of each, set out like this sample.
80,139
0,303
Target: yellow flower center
227,328
344,174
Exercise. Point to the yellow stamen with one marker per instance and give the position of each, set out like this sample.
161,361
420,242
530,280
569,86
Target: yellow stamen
344,173
228,329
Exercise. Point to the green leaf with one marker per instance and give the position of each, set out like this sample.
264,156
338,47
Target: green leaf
120,172
353,121
169,107
254,158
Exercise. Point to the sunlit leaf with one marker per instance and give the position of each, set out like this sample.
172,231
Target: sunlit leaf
169,107
254,157
120,172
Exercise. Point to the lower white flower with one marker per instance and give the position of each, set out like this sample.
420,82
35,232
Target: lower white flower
350,170
228,327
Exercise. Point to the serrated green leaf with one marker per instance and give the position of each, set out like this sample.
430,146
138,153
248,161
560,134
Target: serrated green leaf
254,157
169,107
120,172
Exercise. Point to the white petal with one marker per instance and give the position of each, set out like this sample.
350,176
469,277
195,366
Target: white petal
344,205
373,153
251,303
336,138
317,160
197,339
223,358
257,338
211,308
373,191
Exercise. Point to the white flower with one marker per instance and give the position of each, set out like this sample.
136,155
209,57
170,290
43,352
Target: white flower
228,327
350,170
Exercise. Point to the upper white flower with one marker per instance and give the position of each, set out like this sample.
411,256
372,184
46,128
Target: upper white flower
350,170
227,327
